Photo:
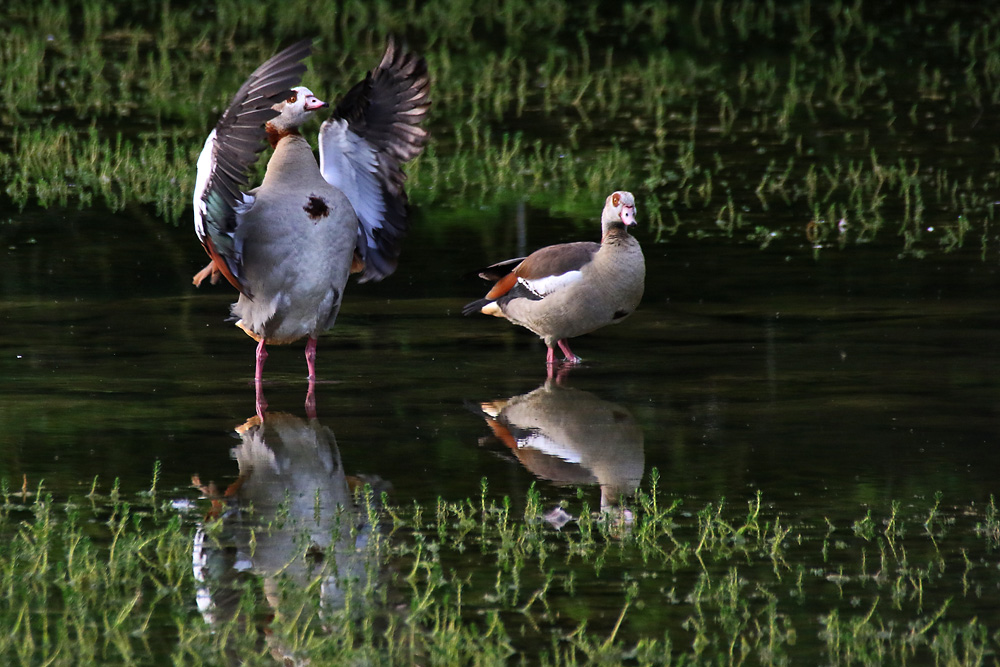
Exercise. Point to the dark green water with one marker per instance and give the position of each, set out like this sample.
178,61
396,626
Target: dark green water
830,383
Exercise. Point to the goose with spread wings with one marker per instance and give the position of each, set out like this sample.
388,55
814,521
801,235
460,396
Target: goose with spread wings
290,244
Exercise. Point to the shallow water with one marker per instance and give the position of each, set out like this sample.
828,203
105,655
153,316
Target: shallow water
827,382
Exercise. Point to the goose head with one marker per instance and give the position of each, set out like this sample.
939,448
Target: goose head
619,210
295,110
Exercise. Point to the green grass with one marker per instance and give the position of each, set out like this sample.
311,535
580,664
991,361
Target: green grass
723,117
103,579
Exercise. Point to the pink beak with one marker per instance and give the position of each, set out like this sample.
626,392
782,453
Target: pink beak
312,103
628,215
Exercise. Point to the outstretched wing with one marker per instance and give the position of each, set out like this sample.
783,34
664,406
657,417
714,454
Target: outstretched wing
231,149
373,130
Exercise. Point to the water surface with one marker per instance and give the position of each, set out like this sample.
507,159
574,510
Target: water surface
827,382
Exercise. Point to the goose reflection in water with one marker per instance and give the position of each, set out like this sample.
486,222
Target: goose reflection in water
569,436
304,526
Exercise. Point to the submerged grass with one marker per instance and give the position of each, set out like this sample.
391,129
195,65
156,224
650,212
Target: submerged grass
829,123
103,579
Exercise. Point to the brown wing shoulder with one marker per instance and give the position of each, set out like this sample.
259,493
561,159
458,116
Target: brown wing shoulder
556,260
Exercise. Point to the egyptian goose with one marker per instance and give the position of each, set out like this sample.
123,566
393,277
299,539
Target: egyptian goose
571,289
289,245
291,514
569,436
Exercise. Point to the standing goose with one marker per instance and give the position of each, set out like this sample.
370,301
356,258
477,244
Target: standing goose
571,289
289,245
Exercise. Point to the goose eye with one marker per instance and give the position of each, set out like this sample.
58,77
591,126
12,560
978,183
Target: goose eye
291,100
616,199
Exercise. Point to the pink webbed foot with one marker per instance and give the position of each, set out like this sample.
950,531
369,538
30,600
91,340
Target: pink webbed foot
556,369
570,357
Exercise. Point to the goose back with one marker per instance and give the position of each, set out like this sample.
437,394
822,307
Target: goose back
303,233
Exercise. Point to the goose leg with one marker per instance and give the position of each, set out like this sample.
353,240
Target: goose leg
550,356
570,357
261,357
311,400
260,402
311,357
209,272
258,380
550,361
562,373
311,365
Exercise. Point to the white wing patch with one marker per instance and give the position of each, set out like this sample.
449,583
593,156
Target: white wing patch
349,164
206,165
543,443
242,207
542,287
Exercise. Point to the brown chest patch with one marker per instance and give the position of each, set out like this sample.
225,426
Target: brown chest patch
316,207
274,135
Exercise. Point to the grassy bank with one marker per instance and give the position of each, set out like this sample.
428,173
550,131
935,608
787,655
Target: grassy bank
821,124
103,579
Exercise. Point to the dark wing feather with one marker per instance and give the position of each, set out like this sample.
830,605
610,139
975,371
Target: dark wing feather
373,130
495,272
232,148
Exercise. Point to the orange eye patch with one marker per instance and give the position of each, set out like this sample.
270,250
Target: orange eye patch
291,100
616,199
